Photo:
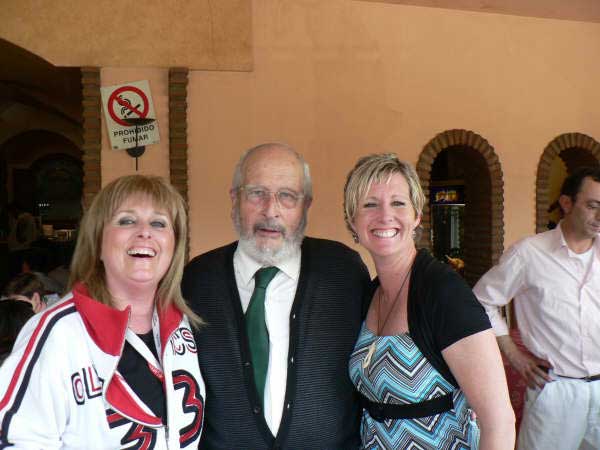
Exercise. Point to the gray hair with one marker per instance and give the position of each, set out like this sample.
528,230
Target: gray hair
239,167
379,168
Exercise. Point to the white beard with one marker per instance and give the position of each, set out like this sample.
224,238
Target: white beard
290,245
267,256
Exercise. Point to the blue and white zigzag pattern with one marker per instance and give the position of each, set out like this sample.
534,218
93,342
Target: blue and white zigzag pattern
399,373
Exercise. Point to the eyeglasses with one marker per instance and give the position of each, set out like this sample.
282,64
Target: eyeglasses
258,195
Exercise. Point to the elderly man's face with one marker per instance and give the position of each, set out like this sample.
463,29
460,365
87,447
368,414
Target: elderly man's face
269,225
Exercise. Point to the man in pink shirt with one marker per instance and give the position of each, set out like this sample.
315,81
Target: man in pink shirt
554,278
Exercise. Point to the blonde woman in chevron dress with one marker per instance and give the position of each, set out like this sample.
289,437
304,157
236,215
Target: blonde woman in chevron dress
426,354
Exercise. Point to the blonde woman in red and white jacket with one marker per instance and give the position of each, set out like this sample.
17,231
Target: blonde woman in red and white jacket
114,364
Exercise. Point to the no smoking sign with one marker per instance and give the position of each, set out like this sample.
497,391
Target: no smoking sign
125,102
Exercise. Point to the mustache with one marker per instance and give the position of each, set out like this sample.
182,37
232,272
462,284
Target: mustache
270,225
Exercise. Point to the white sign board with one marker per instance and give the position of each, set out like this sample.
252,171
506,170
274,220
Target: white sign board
125,102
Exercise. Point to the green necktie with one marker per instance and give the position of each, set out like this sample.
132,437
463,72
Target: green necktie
256,328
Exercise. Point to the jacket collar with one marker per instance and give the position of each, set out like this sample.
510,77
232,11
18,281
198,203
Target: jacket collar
106,325
169,320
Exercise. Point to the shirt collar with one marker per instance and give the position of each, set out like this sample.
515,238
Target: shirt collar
247,266
559,238
561,244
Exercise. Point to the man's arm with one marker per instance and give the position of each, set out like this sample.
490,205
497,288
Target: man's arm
527,365
496,289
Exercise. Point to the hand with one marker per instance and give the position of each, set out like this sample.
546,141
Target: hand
534,370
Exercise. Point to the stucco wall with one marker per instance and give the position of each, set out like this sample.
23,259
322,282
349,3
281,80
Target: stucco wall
339,79
201,34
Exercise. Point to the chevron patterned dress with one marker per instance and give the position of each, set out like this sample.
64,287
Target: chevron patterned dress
398,373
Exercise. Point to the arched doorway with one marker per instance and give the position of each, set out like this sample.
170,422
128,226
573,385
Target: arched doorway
45,176
44,134
461,163
562,156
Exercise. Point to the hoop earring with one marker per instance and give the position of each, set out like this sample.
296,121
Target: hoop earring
355,237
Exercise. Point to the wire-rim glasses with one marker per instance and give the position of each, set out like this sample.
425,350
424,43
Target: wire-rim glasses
258,195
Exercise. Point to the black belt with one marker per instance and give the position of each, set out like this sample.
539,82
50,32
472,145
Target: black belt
383,411
588,379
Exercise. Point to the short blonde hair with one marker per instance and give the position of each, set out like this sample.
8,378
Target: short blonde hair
379,168
87,267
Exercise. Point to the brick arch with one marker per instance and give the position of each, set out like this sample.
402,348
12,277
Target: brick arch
485,246
576,150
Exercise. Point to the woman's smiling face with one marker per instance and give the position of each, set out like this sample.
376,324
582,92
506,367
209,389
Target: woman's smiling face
137,245
385,218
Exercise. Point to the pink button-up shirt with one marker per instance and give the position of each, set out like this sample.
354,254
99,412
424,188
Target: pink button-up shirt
557,301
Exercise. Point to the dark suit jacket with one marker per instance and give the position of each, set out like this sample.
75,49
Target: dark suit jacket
321,410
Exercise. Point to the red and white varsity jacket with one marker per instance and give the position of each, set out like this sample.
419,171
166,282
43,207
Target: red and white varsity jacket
60,389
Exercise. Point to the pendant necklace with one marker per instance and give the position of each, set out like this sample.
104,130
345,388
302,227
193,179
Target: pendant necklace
380,328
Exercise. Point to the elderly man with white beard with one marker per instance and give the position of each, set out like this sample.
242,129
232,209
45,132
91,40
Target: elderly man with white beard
283,312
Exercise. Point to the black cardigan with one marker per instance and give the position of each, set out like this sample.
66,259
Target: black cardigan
441,310
321,410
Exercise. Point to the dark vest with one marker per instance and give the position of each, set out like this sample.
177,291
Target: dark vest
321,410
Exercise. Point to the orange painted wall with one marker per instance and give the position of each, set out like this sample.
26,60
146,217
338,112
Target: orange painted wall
201,34
340,79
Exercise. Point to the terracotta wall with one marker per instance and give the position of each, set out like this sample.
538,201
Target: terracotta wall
202,34
339,79
342,78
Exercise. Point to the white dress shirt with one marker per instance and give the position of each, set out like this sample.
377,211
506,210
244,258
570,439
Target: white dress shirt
557,300
278,304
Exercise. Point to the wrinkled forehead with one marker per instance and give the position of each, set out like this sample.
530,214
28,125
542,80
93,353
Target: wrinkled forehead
273,168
